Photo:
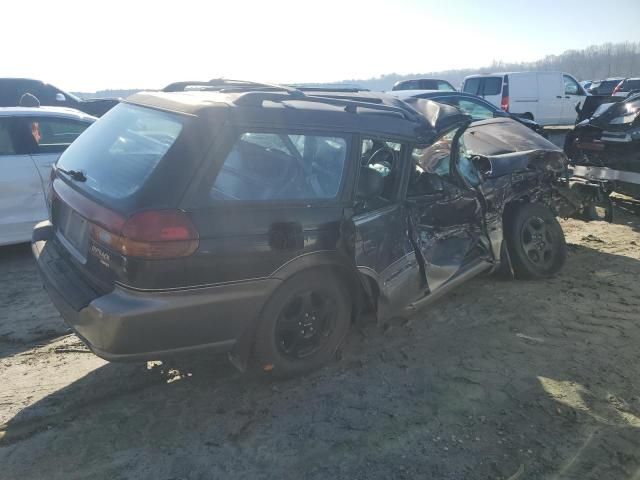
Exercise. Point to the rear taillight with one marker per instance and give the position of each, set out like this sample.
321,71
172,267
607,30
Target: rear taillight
504,102
618,87
151,234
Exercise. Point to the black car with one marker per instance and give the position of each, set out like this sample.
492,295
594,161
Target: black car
261,220
478,108
12,90
627,87
423,84
605,147
604,87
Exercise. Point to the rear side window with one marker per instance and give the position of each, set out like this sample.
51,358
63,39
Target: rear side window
280,166
444,86
119,152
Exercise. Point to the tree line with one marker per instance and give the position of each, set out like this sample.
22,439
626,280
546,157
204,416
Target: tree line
596,62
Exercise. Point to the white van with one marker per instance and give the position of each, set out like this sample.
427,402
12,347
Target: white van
549,98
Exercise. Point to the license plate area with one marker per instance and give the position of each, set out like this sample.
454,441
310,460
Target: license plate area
72,230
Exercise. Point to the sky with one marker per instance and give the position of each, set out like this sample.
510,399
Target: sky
89,45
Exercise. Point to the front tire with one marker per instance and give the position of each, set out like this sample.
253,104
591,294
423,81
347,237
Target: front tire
303,324
536,242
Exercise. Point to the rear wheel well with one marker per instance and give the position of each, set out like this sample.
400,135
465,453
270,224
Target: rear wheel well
528,115
360,298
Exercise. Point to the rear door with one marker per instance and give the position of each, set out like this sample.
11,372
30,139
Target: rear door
22,202
445,214
550,98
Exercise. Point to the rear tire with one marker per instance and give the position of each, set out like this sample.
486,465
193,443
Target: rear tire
536,242
528,116
302,325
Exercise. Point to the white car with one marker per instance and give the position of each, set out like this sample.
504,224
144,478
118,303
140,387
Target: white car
31,140
549,98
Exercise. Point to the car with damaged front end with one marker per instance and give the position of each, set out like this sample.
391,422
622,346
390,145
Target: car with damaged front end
604,153
262,220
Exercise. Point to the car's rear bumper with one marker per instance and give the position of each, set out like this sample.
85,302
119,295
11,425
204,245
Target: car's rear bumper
131,325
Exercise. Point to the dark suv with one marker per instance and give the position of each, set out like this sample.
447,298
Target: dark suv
12,89
261,220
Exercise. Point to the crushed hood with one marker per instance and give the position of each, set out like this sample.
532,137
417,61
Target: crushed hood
512,147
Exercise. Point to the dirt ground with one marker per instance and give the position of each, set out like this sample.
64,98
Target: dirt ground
499,380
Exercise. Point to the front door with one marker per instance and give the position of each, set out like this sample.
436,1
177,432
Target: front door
384,252
445,210
573,94
22,202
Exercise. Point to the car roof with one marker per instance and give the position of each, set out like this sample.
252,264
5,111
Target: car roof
501,74
20,79
247,102
45,112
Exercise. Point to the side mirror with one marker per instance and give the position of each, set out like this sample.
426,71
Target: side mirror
482,164
60,97
370,184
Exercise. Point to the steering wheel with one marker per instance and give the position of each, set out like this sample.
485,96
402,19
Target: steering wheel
386,151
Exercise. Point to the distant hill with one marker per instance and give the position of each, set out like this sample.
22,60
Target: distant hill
592,63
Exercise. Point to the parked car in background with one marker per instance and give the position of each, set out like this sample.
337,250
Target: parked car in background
604,87
476,107
627,87
605,147
549,98
12,89
423,84
31,140
261,220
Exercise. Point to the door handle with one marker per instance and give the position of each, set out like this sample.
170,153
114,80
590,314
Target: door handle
567,96
558,96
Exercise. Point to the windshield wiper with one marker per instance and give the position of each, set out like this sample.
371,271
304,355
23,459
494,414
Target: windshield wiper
77,175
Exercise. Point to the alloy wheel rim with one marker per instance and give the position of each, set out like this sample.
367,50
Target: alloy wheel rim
537,242
305,323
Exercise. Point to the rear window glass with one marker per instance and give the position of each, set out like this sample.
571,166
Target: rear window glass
629,85
424,84
472,85
119,152
278,166
483,85
492,86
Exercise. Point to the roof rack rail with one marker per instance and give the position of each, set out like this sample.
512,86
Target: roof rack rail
225,85
255,93
256,98
302,88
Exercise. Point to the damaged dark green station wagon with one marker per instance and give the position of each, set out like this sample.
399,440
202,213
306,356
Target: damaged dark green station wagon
262,220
